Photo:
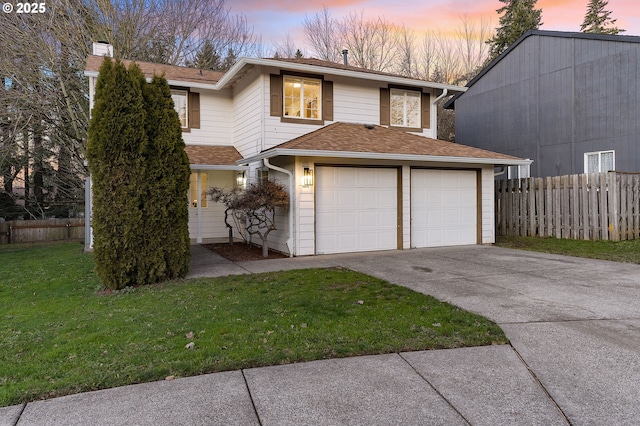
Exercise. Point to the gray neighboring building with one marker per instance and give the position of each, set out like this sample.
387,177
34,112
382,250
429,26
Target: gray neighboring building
568,101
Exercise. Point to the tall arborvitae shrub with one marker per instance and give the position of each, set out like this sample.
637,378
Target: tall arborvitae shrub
116,140
140,174
166,186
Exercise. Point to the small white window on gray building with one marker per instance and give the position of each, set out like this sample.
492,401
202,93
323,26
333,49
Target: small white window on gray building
599,161
519,172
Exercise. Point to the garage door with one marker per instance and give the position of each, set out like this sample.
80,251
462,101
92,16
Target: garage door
444,208
356,209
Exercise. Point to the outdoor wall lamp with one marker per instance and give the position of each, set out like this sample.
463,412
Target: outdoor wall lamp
307,177
241,179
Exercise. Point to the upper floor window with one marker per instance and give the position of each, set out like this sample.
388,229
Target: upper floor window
599,162
302,97
187,105
405,108
180,103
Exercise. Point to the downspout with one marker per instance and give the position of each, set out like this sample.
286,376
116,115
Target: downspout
444,93
503,170
290,174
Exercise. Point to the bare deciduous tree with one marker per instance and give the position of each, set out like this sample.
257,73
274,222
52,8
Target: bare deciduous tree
44,110
371,44
320,32
473,50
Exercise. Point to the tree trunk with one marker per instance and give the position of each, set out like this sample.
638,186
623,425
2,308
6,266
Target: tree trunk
265,248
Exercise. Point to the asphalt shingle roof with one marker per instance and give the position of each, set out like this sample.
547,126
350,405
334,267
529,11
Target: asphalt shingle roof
363,138
171,72
212,155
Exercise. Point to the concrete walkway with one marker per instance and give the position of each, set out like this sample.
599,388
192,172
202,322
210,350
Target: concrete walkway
574,325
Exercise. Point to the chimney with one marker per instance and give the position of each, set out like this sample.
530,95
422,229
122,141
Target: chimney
102,48
345,54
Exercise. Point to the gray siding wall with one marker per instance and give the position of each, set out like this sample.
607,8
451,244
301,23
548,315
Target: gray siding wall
552,99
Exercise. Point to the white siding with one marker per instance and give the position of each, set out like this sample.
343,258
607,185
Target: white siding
305,208
216,113
248,114
406,207
356,102
488,207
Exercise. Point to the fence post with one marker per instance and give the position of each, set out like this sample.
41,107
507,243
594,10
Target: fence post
614,220
9,235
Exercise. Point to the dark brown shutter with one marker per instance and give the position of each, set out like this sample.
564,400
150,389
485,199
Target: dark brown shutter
194,110
327,100
426,111
276,95
385,118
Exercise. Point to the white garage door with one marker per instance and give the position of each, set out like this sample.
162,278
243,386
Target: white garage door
356,209
444,208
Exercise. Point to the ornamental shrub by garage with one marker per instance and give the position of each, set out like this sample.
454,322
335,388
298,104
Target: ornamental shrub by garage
139,214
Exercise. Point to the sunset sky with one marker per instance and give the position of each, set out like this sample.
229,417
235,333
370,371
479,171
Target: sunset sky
274,18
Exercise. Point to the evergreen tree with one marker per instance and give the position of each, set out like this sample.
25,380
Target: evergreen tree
207,58
140,174
518,17
597,20
166,185
116,140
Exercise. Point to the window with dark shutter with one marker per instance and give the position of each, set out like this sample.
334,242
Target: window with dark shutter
194,110
276,95
384,107
327,100
426,111
405,108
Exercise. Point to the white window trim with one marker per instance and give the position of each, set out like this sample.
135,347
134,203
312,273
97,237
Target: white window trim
404,93
186,105
519,172
599,154
302,105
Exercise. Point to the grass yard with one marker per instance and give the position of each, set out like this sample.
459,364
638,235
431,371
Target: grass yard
617,251
60,334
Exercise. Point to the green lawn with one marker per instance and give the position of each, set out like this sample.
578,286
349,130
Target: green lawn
617,251
61,334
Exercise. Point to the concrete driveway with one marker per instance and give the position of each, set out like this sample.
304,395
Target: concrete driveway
575,322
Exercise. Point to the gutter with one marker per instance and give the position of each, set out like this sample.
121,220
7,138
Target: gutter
290,174
381,156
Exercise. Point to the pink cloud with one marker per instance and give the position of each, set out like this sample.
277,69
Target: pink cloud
274,18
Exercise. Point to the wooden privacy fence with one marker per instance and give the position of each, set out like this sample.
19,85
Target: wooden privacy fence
603,206
27,231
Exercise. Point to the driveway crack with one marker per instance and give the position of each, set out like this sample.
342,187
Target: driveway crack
435,390
544,389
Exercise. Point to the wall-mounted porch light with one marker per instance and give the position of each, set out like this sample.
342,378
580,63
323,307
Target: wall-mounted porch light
307,177
241,179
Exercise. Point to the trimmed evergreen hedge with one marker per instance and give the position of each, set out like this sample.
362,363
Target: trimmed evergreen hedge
140,176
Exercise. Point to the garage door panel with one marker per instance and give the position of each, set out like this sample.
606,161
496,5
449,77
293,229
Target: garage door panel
443,207
362,215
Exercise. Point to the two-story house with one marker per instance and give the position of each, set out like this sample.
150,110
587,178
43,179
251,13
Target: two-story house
356,149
